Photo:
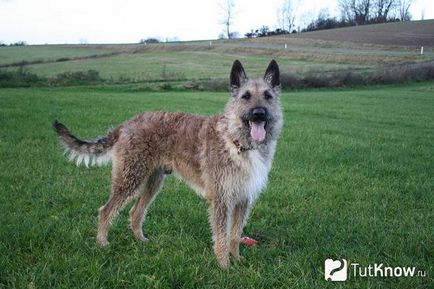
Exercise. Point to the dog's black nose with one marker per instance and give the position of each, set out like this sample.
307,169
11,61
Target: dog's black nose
259,113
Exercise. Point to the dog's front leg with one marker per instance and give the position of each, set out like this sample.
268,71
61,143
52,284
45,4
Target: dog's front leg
239,218
220,224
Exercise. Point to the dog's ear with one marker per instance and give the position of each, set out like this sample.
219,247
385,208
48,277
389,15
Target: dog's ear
238,75
272,75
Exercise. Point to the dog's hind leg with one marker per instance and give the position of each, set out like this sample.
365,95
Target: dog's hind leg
147,195
126,178
239,218
106,215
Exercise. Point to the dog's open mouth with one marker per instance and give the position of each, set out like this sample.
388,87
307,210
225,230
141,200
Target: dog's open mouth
257,130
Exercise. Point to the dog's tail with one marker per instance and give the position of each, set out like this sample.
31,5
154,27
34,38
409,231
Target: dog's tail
93,152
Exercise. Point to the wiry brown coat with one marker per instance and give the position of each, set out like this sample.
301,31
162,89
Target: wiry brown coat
218,156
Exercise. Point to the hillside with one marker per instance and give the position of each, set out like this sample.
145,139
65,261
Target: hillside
314,54
412,33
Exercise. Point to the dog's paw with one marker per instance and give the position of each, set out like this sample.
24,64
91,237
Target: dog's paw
102,242
142,238
223,262
139,236
237,257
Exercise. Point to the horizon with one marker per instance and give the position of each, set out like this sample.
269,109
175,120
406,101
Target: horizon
127,22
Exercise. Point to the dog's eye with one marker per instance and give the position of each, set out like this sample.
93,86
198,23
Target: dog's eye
268,95
246,95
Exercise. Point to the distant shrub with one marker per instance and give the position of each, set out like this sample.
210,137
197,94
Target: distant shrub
403,73
19,78
77,78
149,41
215,85
23,78
166,75
123,79
22,63
166,86
62,59
177,81
19,43
398,74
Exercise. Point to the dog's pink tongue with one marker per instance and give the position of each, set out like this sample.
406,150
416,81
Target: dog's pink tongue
257,130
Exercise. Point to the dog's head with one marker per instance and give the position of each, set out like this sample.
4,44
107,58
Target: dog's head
254,113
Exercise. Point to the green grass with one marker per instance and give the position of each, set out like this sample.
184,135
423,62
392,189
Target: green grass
352,178
198,60
152,65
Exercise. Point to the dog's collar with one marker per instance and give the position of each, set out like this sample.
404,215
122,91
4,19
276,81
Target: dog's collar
239,147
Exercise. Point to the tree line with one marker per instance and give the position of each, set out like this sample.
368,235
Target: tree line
352,13
19,43
360,12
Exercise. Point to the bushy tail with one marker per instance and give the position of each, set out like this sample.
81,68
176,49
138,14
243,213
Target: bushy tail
95,152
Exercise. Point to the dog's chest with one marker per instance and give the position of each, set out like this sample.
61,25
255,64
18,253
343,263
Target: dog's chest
257,171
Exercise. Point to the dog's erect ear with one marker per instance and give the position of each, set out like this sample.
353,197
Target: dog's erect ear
238,76
272,74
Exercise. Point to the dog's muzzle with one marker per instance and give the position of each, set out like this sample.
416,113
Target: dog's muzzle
258,119
258,114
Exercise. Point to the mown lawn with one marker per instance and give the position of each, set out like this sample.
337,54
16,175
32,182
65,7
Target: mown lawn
352,178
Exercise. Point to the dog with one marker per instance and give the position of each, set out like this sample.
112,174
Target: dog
224,158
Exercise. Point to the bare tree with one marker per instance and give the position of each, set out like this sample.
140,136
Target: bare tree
404,10
357,11
228,15
383,8
345,7
361,11
286,14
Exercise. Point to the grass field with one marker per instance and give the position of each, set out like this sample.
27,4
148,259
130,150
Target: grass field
352,178
152,65
167,62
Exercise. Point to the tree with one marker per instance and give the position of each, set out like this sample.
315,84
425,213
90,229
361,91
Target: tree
404,10
383,8
228,15
286,15
324,21
346,11
263,31
355,11
361,11
149,40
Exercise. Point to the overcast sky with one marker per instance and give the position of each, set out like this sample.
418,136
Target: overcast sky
128,21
